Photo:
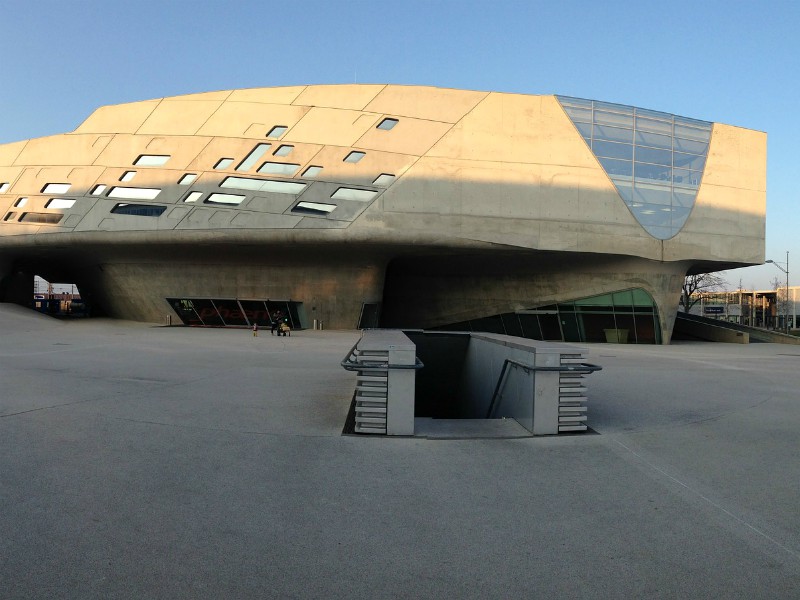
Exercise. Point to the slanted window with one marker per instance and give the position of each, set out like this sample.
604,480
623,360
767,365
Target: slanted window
312,171
277,131
9,216
187,179
98,189
4,186
276,168
151,160
263,185
138,210
60,203
314,208
229,199
20,202
384,179
251,159
354,156
223,163
387,124
128,175
41,218
283,150
193,196
344,193
134,193
56,188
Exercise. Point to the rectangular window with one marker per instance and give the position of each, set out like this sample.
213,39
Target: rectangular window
354,156
275,168
193,196
20,203
387,124
187,179
230,199
134,193
251,159
284,150
277,131
41,218
223,163
151,160
312,171
138,210
59,203
353,194
384,179
56,188
315,208
263,185
128,175
613,150
98,189
9,216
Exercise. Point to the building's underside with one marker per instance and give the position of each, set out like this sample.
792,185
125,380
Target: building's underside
364,205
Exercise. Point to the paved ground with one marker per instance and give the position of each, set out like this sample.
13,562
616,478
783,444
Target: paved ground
147,462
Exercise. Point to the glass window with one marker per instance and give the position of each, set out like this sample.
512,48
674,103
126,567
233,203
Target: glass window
283,150
41,218
263,185
384,179
607,118
387,124
230,312
613,107
655,140
344,193
128,175
616,167
151,160
223,163
98,189
689,161
256,312
625,189
316,208
187,179
354,156
4,187
276,168
691,146
251,159
20,202
139,210
56,188
613,150
684,198
614,134
653,114
193,196
207,312
60,203
653,155
692,133
9,216
652,194
579,114
654,126
277,131
134,193
585,129
568,100
652,172
312,171
623,299
185,310
230,199
686,178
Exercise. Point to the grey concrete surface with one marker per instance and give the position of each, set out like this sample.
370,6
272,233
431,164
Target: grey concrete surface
146,462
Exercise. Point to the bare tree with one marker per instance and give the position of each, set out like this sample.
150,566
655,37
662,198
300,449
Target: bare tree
782,305
694,285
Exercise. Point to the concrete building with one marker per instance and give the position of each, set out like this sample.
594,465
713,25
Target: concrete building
756,308
364,205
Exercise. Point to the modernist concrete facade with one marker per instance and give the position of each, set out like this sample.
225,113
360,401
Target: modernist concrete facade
428,207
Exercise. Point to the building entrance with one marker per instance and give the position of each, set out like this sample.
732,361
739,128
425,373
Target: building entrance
233,312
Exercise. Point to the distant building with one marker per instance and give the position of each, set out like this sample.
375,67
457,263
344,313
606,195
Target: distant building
383,205
756,308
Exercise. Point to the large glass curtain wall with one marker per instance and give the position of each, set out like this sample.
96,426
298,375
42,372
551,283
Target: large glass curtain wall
655,160
228,312
628,316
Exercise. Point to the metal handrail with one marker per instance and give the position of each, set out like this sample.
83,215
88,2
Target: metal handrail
573,368
351,364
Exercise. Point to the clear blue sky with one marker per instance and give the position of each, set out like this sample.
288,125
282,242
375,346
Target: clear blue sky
729,61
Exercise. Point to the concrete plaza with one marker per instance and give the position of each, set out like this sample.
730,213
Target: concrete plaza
154,462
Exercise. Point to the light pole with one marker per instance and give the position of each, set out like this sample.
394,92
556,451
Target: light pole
786,270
